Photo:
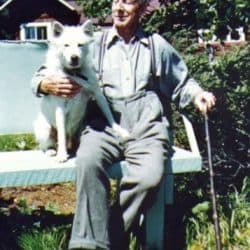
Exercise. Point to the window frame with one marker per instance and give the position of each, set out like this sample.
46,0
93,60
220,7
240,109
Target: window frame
34,35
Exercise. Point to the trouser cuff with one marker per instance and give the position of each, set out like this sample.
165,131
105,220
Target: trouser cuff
87,244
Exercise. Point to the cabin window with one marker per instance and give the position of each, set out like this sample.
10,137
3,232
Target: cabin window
35,31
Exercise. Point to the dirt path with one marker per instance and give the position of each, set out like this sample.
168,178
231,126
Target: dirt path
59,198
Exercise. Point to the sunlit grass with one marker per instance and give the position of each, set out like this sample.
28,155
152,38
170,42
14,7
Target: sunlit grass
17,142
54,238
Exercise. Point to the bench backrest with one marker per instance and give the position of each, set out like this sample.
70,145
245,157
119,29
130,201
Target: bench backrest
18,106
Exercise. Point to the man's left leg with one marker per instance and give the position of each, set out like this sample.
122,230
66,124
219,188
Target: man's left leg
146,160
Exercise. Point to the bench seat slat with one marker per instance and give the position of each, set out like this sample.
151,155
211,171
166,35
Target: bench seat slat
23,168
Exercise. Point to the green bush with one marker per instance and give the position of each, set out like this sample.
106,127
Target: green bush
229,78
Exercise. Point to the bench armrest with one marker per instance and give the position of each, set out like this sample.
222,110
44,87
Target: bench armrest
191,135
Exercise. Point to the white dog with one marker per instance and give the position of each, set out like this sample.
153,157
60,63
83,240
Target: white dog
68,57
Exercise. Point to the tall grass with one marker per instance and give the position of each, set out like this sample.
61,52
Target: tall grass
234,216
54,238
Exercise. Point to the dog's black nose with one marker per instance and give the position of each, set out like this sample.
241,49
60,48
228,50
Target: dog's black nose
74,60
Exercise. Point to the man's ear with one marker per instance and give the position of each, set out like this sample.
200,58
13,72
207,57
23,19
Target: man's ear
88,28
57,29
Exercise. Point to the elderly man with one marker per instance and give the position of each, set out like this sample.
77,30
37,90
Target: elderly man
133,93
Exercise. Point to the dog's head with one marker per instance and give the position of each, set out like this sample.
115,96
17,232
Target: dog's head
71,43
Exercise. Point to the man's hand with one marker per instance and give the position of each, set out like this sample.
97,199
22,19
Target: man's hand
204,101
58,86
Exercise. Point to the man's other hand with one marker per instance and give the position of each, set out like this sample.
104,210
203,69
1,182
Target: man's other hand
204,101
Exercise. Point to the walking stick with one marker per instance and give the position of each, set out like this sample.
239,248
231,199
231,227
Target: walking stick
212,189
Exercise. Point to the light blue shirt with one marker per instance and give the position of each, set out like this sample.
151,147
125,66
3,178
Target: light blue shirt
127,68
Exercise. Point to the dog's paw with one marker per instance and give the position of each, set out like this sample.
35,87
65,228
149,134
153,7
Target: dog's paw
121,131
62,157
50,152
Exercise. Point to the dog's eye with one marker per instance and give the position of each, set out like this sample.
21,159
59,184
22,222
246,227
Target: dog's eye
80,45
66,45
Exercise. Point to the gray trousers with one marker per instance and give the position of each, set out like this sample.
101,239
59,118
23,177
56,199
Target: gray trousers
95,225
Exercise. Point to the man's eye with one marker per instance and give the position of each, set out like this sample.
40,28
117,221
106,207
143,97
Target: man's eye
129,1
125,1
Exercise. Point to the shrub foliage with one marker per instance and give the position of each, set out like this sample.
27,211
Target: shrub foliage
229,78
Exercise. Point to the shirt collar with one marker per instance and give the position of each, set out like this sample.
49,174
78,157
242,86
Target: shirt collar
140,35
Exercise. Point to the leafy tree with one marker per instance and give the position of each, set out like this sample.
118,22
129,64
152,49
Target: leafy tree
99,9
219,16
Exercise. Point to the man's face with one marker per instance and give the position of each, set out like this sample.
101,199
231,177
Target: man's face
126,13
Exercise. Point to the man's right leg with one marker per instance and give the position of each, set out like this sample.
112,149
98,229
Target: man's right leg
97,151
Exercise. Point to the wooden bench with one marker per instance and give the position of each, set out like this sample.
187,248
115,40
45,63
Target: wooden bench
18,108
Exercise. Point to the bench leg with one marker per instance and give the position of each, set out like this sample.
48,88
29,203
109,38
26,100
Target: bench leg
155,217
169,187
155,222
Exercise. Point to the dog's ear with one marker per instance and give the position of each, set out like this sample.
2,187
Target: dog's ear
88,28
57,29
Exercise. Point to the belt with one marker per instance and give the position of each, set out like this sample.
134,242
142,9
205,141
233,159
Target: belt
136,96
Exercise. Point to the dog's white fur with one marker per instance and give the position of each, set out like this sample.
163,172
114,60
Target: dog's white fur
68,57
